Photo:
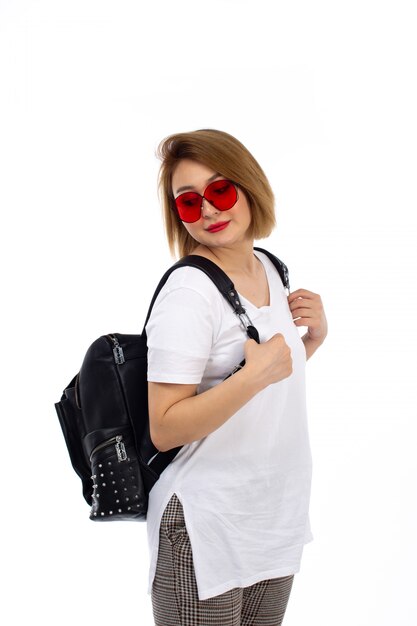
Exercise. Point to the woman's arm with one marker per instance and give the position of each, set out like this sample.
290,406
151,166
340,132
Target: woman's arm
195,417
310,345
175,421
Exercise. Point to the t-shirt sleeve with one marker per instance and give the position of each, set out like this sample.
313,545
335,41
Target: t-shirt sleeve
180,334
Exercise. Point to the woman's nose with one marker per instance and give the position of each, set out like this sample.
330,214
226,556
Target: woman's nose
206,205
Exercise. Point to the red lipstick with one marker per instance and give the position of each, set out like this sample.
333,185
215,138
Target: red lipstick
217,226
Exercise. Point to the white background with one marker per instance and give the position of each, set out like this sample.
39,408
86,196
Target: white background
324,95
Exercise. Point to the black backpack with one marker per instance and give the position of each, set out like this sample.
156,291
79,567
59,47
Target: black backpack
104,411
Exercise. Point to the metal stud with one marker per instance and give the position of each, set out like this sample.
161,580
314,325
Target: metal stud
109,463
120,510
104,484
100,465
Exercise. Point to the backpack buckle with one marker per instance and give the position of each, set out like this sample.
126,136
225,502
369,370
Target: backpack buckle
245,320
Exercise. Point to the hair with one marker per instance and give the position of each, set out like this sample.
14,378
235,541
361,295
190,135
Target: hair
228,156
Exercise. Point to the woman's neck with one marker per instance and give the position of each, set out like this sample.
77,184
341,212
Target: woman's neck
232,260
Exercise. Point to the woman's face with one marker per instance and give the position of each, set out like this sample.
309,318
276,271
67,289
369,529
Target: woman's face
196,176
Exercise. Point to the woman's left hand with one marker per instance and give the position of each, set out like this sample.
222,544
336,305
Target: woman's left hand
308,307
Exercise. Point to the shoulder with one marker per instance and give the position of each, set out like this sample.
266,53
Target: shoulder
189,302
188,292
192,279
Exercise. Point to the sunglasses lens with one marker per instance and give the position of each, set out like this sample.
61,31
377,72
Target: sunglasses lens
221,194
189,206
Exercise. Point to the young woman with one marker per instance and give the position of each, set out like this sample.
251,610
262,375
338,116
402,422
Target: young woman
228,519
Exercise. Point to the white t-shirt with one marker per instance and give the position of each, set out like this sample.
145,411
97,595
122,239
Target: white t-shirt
244,488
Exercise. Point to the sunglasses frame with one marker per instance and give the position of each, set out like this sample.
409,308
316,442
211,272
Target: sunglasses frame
174,206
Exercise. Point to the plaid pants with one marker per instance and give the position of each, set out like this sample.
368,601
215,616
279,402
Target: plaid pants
174,590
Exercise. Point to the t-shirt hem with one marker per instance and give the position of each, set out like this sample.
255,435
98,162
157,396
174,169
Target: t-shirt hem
246,582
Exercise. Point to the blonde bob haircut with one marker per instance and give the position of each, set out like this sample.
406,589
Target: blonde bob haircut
226,155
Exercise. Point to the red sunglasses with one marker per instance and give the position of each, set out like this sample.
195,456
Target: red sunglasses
222,194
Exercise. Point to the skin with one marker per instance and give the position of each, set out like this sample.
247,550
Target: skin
232,249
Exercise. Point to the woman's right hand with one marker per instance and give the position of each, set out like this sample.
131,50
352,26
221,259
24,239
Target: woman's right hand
269,362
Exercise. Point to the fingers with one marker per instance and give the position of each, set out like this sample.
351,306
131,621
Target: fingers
303,293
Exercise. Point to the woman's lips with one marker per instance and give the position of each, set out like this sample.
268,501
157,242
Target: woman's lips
220,227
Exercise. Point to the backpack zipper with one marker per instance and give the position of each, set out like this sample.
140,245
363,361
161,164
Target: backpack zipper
119,445
119,357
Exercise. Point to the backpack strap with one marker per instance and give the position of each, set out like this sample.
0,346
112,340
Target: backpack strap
280,267
224,285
